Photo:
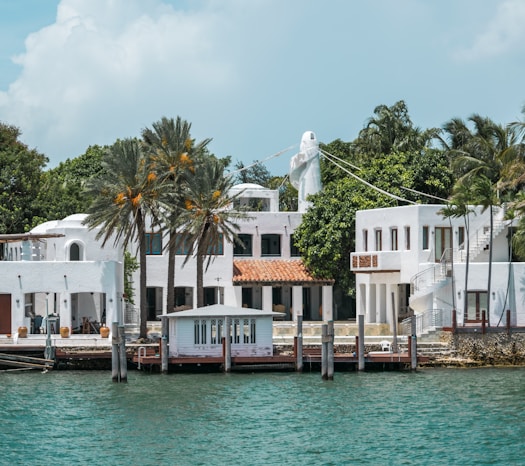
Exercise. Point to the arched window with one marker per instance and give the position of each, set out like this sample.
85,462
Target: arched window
74,252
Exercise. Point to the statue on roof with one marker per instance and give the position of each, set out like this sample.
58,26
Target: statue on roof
305,170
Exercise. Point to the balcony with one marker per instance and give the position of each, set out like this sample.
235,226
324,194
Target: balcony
375,261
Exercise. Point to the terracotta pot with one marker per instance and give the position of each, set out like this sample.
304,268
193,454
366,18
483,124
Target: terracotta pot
104,332
22,332
64,332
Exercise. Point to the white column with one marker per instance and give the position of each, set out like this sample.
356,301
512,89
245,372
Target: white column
327,302
267,298
297,301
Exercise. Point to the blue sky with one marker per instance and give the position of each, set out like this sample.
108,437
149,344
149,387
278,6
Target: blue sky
252,75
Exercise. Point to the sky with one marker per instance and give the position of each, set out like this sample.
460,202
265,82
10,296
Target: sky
253,75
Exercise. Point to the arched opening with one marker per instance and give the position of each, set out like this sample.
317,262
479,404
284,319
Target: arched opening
74,252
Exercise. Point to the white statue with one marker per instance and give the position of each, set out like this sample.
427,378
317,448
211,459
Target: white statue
305,171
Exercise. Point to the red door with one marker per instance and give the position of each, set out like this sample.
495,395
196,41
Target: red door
5,313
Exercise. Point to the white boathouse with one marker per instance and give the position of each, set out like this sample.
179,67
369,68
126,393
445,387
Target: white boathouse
199,332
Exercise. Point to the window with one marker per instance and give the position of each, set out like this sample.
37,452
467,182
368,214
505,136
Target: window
252,330
183,245
365,240
461,237
236,331
199,332
407,238
379,240
244,249
246,330
218,249
476,306
153,244
425,237
271,245
74,252
294,250
393,239
196,332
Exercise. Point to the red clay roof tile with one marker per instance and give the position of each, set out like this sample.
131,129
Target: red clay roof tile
268,271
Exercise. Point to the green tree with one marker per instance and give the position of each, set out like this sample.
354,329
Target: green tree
125,192
62,191
171,148
255,173
326,236
20,181
207,218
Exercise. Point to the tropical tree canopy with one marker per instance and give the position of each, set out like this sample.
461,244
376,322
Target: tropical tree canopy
208,219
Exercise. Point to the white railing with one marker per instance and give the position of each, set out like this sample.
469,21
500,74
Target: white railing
429,320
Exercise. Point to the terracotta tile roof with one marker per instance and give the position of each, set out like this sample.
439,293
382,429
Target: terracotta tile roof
273,271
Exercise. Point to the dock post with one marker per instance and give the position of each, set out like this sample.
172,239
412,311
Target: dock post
227,345
413,344
508,321
324,351
122,352
164,346
115,371
330,351
454,321
394,325
483,322
361,341
299,344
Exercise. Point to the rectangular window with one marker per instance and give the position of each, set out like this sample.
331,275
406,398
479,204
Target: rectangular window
203,332
153,244
183,245
236,331
379,240
246,331
407,238
365,240
246,246
196,332
271,245
213,332
393,238
294,250
461,238
252,330
425,237
218,249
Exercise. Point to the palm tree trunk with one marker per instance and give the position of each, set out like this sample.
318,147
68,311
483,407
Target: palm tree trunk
143,333
490,263
465,291
170,292
200,279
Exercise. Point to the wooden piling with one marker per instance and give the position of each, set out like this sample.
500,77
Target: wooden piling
227,345
413,344
299,344
483,322
508,321
115,371
324,351
330,351
454,321
361,341
122,354
164,346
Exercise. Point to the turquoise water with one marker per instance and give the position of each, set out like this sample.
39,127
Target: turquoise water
431,417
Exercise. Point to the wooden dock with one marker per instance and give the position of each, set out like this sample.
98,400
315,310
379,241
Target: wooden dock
151,360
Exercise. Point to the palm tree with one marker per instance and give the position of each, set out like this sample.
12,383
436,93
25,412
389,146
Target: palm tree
208,217
171,147
125,192
485,194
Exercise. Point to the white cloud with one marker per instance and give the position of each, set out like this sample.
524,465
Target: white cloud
92,75
503,33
